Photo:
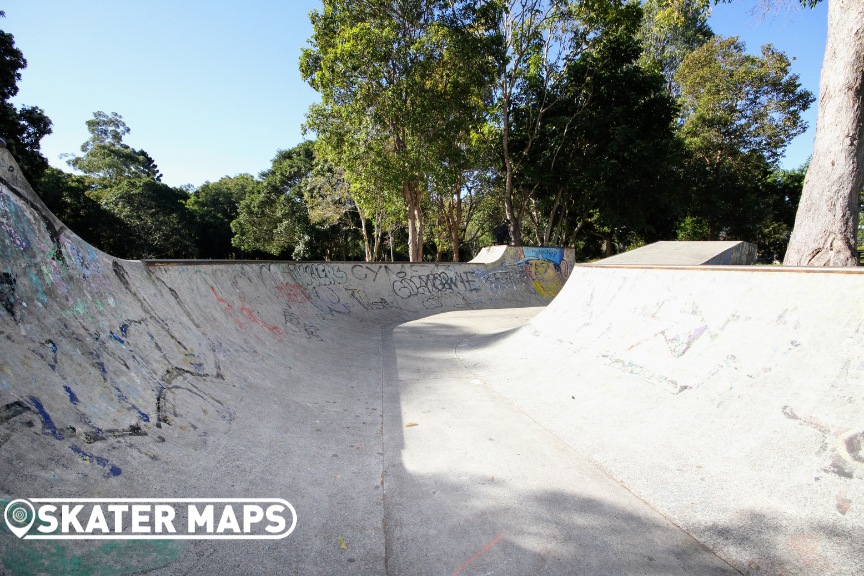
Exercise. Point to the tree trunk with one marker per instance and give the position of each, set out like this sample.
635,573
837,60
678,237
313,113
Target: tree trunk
515,225
367,246
608,245
827,219
456,225
415,221
512,215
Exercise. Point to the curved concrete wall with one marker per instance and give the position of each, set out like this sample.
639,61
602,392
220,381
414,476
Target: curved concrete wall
98,348
730,398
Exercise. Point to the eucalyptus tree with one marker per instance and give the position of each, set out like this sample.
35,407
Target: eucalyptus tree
398,79
670,30
827,219
106,159
601,164
540,36
333,203
739,113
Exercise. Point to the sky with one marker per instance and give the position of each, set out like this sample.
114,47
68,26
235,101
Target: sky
212,88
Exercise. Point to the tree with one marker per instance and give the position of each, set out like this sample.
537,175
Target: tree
22,128
538,38
827,217
397,81
155,219
602,163
118,204
214,205
671,29
107,158
333,206
272,217
778,201
739,113
68,196
457,190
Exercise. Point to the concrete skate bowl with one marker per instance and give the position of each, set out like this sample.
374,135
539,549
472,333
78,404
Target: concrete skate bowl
422,420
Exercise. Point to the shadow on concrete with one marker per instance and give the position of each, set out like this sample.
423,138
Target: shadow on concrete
475,487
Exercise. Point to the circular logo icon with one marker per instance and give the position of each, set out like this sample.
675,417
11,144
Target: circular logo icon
19,516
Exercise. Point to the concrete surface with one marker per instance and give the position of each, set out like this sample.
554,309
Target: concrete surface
667,253
648,421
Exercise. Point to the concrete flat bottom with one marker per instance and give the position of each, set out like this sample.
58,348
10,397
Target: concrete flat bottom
475,485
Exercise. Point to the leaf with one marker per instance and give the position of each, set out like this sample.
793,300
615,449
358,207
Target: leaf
342,544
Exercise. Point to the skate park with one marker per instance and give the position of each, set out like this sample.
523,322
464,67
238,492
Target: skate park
517,414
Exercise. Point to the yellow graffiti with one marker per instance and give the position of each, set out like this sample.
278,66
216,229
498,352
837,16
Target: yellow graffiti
545,279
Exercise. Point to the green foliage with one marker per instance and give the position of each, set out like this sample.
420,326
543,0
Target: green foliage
539,36
399,83
106,158
670,30
272,217
693,228
119,205
22,128
739,112
68,196
155,219
603,163
734,103
214,205
775,213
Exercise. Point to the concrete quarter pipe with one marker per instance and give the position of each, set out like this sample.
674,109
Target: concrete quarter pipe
422,420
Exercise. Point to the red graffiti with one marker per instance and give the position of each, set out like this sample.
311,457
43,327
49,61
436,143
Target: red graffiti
294,293
246,314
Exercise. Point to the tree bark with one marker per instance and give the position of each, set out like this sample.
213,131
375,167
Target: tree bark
415,221
827,219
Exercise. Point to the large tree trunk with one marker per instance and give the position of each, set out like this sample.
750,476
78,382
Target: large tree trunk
827,219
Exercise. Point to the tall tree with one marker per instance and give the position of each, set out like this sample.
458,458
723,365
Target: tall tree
22,128
145,218
539,36
272,217
827,218
214,206
602,164
107,158
397,79
671,29
739,113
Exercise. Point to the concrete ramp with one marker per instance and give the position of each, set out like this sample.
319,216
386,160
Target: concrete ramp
650,421
677,253
730,398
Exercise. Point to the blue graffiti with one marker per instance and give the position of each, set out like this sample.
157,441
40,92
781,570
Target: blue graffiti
125,399
47,423
553,255
98,460
72,397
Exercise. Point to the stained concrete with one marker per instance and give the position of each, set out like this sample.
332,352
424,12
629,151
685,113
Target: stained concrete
648,421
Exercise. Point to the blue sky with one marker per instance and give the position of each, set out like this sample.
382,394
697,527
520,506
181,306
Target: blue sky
211,89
